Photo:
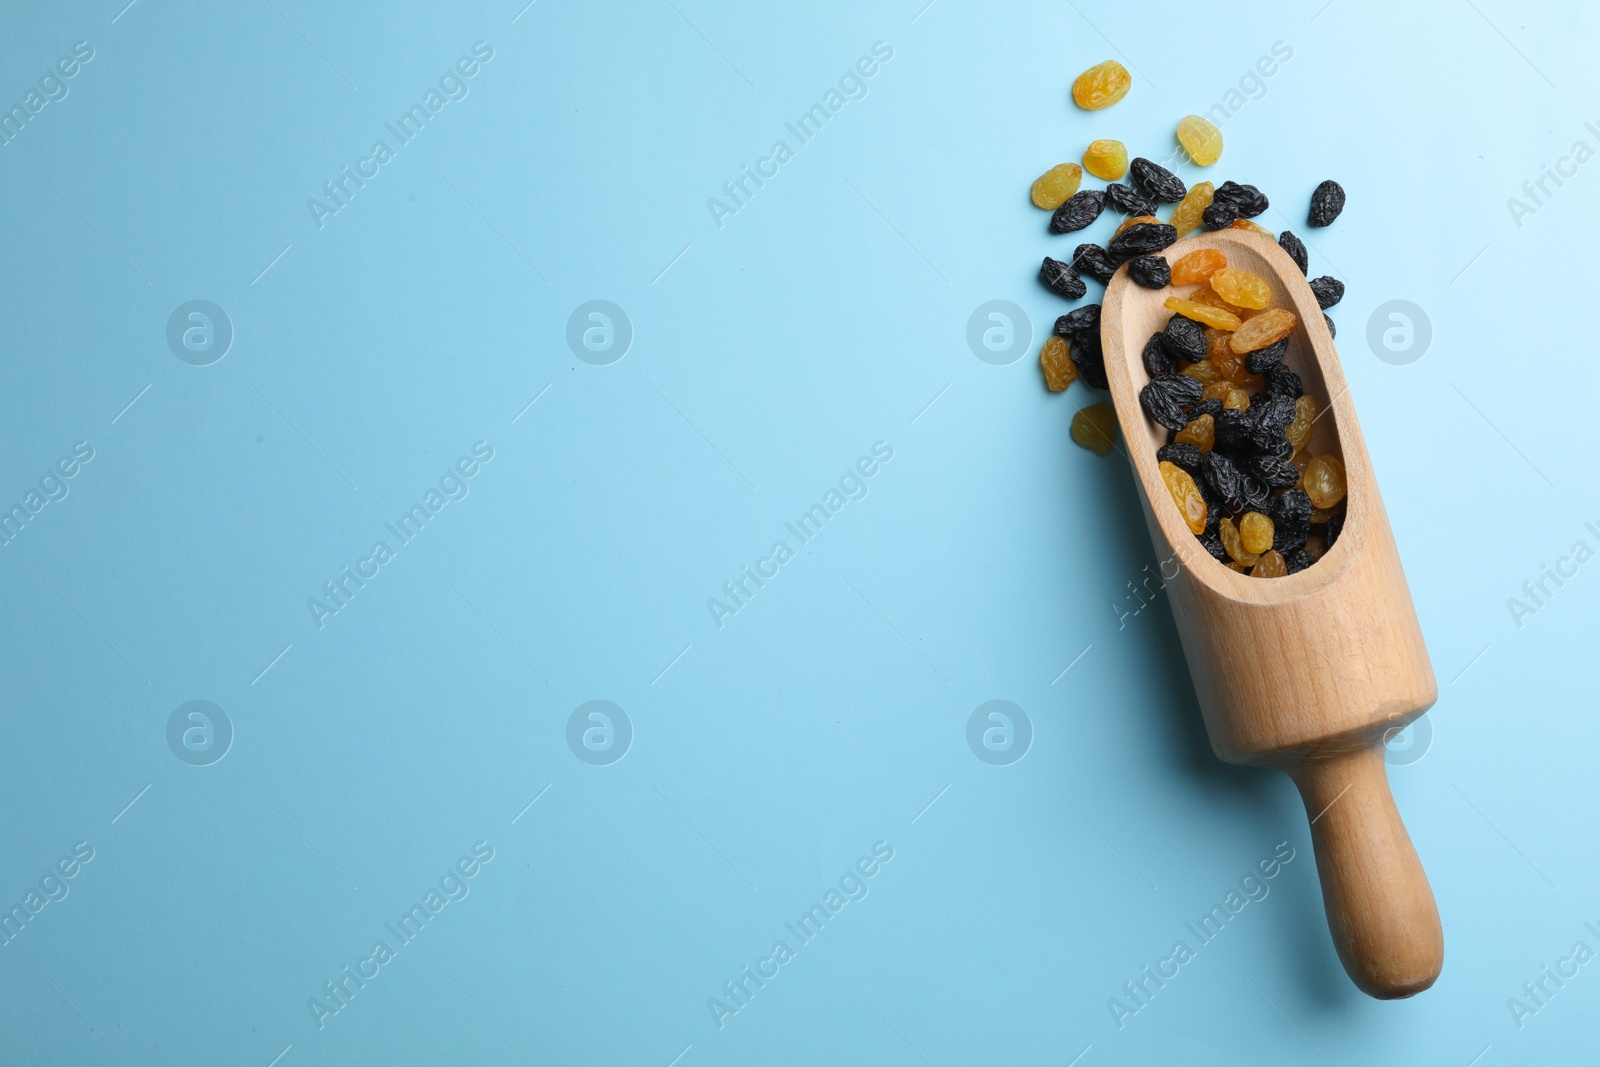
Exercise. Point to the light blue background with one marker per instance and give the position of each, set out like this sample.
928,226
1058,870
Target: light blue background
769,355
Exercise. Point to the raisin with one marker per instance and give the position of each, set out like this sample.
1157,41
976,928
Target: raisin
1332,330
1218,390
1186,495
1200,432
1184,339
1237,399
1187,215
1241,288
1273,415
1329,291
1206,407
1298,561
1156,359
1247,198
1059,370
1106,159
1226,479
1164,399
1234,544
1211,298
1101,85
1200,139
1219,215
1296,249
1263,330
1203,372
1095,427
1281,381
1061,279
1079,319
1197,266
1151,272
1094,261
1255,530
1292,520
1134,220
1129,201
1259,361
1327,200
1275,472
1141,240
1185,455
1158,183
1211,316
1316,547
1335,527
1246,224
1299,431
1212,543
1233,430
1270,565
1086,353
1051,189
1080,209
1324,481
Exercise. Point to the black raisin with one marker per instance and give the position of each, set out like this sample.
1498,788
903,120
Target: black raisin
1090,360
1094,261
1185,339
1258,361
1335,527
1078,320
1081,208
1127,200
1152,272
1272,414
1212,407
1183,455
1247,198
1157,361
1212,543
1219,215
1232,430
1332,330
1329,291
1257,496
1158,183
1224,479
1061,279
1298,560
1281,381
1276,471
1164,399
1327,200
1141,239
1296,249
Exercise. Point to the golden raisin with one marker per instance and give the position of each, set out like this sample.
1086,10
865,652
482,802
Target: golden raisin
1233,543
1056,185
1246,224
1241,288
1301,460
1299,431
1264,329
1055,360
1202,372
1237,399
1229,363
1136,219
1197,266
1186,495
1095,428
1101,85
1324,481
1200,139
1201,432
1217,390
1235,565
1270,565
1106,159
1211,298
1188,215
1256,531
1210,316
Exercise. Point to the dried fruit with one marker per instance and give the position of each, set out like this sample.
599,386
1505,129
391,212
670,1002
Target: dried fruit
1200,139
1219,215
1299,431
1091,361
1185,455
1184,339
1219,389
1101,85
1164,399
1237,399
1061,279
1327,200
1157,182
1315,547
1270,565
1247,198
1255,530
1200,432
1275,472
1234,544
1151,272
1329,291
1051,189
1296,249
1095,428
1079,319
1281,381
1241,288
1211,316
1262,359
1332,330
1263,330
1156,360
1298,561
1324,481
1211,298
1187,215
1186,495
1106,159
1291,519
1202,372
1141,239
1246,224
1080,209
1129,201
1054,360
1197,266
1135,220
1094,261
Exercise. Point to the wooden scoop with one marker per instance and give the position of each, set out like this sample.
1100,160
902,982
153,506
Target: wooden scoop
1305,673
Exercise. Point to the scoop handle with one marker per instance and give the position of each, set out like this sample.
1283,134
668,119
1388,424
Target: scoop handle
1380,907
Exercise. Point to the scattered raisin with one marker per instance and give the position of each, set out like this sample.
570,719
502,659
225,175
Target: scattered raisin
1187,215
1200,139
1079,210
1151,272
1296,249
1079,319
1324,481
1089,357
1133,220
1327,200
1106,159
1094,261
1333,331
1158,183
1262,330
1219,215
1329,291
1211,316
1247,198
1261,359
1184,339
1185,494
1051,189
1141,240
1164,399
1129,201
1241,288
1270,565
1095,427
1061,279
1101,85
1059,370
